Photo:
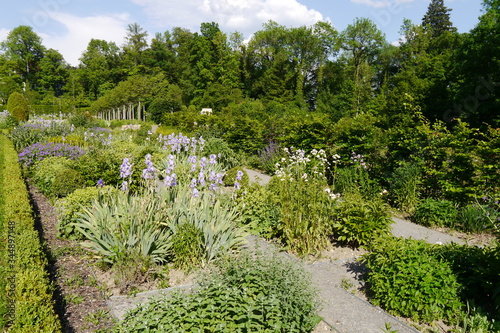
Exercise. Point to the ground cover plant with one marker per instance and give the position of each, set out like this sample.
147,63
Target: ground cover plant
248,293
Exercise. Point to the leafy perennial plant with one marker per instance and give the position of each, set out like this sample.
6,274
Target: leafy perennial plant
305,209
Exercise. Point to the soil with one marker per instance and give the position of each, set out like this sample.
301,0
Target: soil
80,300
82,287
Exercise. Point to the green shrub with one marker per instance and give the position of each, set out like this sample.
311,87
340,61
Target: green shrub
404,189
269,156
228,158
83,119
357,221
431,212
407,279
18,106
242,294
33,300
103,163
66,181
258,211
71,206
230,177
477,270
46,171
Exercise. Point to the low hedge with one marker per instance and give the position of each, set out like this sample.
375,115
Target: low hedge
30,302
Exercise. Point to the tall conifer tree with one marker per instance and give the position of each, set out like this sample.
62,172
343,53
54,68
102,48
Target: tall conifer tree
437,18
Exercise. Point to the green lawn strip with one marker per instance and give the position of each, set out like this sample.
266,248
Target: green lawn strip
31,297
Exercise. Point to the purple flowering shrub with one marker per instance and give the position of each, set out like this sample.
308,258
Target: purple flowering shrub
39,151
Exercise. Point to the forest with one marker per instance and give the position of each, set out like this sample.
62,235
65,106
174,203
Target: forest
316,70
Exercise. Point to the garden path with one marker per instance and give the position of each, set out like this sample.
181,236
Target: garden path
345,309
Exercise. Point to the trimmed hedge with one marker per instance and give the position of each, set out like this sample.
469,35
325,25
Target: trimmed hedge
32,297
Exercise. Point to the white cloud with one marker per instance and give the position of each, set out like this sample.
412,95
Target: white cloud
80,30
3,34
245,16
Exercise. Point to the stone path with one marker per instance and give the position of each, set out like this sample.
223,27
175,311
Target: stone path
347,312
343,310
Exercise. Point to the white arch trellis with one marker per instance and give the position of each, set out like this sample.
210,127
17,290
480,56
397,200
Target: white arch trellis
125,112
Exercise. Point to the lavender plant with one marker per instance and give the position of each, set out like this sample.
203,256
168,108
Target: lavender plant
39,151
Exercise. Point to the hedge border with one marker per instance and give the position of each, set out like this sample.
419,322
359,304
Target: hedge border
33,292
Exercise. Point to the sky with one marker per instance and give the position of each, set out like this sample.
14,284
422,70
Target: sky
69,25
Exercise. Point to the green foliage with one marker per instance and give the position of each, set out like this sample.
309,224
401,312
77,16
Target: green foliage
70,208
431,212
18,106
187,246
66,181
7,120
406,279
98,164
160,106
34,310
214,217
228,158
23,137
46,171
404,189
269,156
258,211
83,119
477,270
230,177
354,179
475,218
244,293
305,208
357,221
478,323
120,227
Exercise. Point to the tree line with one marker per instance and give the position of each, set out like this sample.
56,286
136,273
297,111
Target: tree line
435,71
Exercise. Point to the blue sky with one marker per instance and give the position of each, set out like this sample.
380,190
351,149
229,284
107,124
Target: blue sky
68,25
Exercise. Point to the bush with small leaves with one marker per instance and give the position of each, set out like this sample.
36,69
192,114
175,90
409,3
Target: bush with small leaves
431,212
18,106
259,213
66,181
236,175
357,221
46,171
241,294
407,279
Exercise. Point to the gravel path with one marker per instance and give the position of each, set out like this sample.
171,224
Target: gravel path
345,309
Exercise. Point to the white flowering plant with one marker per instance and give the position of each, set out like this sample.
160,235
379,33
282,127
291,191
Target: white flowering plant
305,200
